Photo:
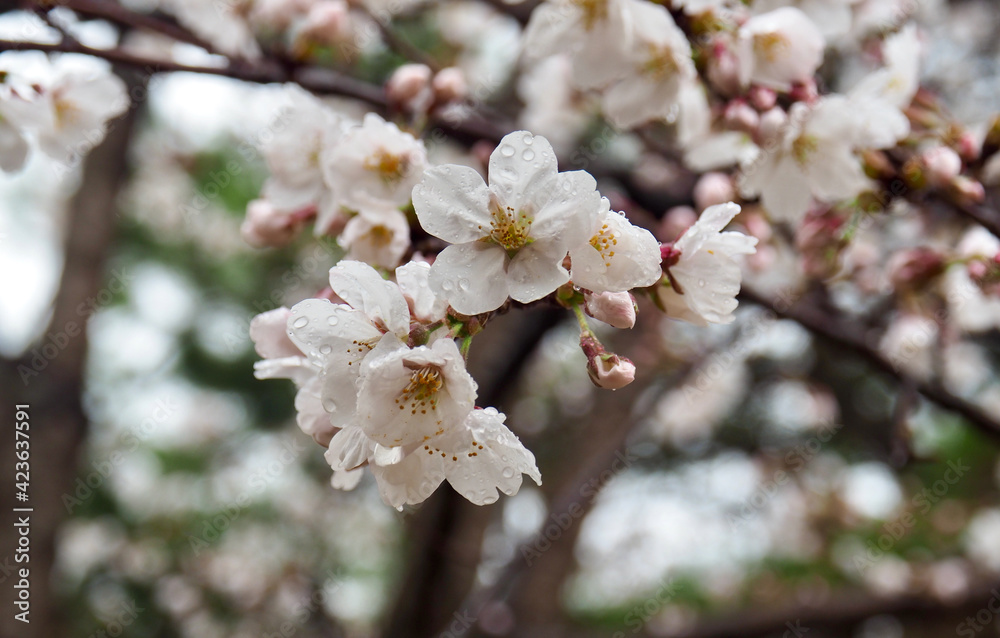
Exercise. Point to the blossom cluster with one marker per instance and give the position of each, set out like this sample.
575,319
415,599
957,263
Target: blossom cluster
381,375
60,105
739,92
383,384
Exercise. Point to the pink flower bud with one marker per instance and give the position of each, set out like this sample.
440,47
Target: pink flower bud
977,270
969,148
450,86
613,308
713,188
771,124
724,69
675,222
610,371
327,21
762,98
915,268
805,91
968,190
740,116
266,226
942,165
409,89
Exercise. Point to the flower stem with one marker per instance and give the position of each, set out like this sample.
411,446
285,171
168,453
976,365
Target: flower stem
464,348
582,319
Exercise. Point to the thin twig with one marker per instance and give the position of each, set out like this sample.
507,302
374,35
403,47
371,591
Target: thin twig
398,43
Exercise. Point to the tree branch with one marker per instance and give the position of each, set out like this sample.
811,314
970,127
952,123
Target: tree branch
834,330
123,17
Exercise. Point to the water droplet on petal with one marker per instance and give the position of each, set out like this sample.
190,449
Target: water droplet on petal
301,322
325,349
463,284
528,139
507,150
329,405
528,155
508,472
701,283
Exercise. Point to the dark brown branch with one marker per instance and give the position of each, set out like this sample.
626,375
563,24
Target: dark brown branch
988,218
123,17
835,330
321,81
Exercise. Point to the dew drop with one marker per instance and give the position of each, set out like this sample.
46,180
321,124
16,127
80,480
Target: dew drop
528,139
528,155
325,349
329,405
489,500
333,320
701,283
508,472
301,322
507,150
463,284
447,286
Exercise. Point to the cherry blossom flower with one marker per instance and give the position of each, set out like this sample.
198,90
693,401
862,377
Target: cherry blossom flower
779,48
378,235
374,160
221,23
493,459
593,32
813,155
74,106
831,17
14,147
337,337
878,99
413,279
411,395
294,153
659,64
284,360
618,256
265,225
513,234
704,276
552,106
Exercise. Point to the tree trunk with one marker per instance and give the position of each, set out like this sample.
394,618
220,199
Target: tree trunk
53,388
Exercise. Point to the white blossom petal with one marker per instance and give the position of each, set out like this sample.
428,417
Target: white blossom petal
536,270
471,277
364,289
495,461
452,202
